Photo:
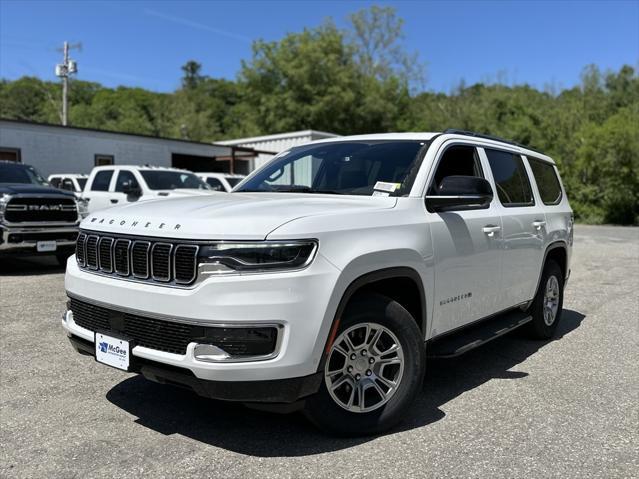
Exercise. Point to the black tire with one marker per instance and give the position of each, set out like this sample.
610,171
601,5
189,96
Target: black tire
538,328
329,416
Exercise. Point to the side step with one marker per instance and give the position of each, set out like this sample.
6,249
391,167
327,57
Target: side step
457,343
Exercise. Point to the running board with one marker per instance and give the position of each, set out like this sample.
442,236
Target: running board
458,343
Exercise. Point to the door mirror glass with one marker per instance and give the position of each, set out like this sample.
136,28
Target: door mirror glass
460,192
131,189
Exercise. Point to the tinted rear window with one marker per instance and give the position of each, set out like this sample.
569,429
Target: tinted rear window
513,186
547,181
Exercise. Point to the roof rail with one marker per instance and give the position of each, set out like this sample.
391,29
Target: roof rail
454,131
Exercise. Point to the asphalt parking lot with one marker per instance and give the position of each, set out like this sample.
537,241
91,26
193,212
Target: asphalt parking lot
515,408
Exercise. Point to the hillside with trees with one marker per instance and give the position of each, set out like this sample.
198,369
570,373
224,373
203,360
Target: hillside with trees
359,80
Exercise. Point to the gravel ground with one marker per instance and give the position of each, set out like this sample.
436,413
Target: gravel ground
515,408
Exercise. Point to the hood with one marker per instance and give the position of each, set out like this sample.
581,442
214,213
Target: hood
185,192
29,189
237,216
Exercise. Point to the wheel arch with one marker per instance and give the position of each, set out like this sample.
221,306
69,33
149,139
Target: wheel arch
413,299
558,252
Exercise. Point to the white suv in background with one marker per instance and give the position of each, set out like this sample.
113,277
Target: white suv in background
221,181
114,185
329,276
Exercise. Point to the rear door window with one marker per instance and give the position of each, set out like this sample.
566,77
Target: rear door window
102,180
547,181
511,180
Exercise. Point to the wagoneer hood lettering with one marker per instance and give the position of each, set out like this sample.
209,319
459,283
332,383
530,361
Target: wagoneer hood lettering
225,216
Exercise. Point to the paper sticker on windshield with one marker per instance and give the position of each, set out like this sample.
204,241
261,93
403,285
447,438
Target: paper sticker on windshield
387,187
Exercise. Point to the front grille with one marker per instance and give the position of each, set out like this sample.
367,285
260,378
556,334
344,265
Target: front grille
173,337
146,260
46,236
36,210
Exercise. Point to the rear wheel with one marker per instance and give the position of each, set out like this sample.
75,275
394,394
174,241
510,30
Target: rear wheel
547,306
373,371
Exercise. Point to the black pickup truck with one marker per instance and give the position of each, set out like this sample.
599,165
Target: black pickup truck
35,218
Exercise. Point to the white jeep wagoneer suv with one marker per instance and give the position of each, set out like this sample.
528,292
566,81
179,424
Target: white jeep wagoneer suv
326,278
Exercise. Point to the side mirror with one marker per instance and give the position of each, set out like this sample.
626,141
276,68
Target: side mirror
460,192
131,190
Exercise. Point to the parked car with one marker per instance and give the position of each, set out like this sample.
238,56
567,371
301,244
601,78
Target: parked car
36,218
112,185
221,181
70,182
326,279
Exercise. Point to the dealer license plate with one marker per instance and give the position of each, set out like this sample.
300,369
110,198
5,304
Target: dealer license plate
112,351
43,246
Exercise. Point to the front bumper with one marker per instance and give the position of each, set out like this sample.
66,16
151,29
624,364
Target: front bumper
297,301
24,239
270,391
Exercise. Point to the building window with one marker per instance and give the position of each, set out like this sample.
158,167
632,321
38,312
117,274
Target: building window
10,154
104,160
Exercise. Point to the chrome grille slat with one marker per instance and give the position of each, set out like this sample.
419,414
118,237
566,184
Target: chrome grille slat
146,260
140,259
121,249
92,251
105,256
185,263
161,261
80,249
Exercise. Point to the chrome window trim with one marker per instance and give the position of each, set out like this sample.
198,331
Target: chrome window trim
128,257
103,238
148,259
170,257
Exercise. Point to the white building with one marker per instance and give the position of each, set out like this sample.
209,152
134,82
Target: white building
67,149
276,143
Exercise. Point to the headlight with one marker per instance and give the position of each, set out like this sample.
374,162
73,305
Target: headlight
4,199
253,256
83,207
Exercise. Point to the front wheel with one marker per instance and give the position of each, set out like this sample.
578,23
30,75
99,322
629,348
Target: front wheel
373,371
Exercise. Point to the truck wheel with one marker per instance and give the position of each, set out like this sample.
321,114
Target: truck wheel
547,306
373,371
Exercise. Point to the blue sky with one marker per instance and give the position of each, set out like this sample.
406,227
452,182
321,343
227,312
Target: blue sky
145,43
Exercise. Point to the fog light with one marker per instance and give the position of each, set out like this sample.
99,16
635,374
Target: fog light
237,344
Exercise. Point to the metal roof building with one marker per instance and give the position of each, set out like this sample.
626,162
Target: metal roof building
57,149
276,143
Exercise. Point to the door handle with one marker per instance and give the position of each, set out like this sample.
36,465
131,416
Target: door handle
538,224
490,230
114,201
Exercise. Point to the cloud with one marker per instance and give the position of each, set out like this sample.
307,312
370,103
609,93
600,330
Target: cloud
200,26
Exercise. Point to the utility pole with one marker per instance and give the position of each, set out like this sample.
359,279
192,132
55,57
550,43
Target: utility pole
63,70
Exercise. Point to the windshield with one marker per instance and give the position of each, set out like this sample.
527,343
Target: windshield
170,180
17,173
346,168
82,183
233,181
